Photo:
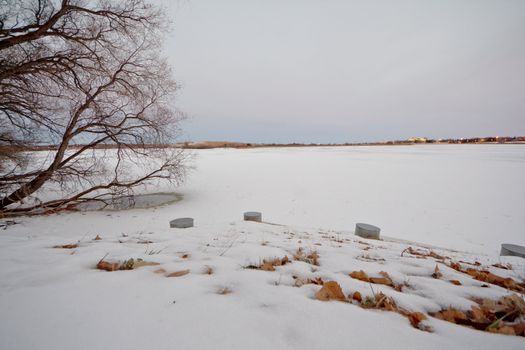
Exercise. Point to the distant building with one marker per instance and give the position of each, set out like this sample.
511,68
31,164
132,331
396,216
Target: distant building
418,139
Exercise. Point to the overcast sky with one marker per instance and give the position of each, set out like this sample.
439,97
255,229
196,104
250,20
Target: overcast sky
338,71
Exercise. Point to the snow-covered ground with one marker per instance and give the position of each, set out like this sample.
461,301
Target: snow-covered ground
465,198
468,197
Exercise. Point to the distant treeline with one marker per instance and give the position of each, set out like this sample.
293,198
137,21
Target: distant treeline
419,140
227,144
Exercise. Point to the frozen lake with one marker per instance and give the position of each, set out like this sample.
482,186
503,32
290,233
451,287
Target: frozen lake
457,196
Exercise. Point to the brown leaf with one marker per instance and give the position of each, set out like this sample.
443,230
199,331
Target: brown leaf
97,238
487,276
479,316
508,330
451,315
357,297
331,290
107,266
267,266
360,275
67,246
178,273
415,318
455,282
381,280
519,329
456,266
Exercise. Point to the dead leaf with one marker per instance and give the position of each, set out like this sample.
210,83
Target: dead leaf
508,330
487,276
97,238
360,275
456,266
416,318
455,282
331,290
178,273
67,246
451,315
479,318
357,297
107,266
519,329
381,280
267,266
496,316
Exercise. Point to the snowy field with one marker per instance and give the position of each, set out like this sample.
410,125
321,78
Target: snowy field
460,201
467,197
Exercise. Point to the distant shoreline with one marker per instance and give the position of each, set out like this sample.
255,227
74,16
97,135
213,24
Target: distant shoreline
243,145
518,140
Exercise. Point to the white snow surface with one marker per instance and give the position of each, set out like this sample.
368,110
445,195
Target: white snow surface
465,199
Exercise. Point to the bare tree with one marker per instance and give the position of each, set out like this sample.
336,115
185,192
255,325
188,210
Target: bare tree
86,77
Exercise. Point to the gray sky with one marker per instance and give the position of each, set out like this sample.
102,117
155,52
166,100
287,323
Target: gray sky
338,71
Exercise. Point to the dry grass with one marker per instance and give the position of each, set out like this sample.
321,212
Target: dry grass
224,290
269,264
310,258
